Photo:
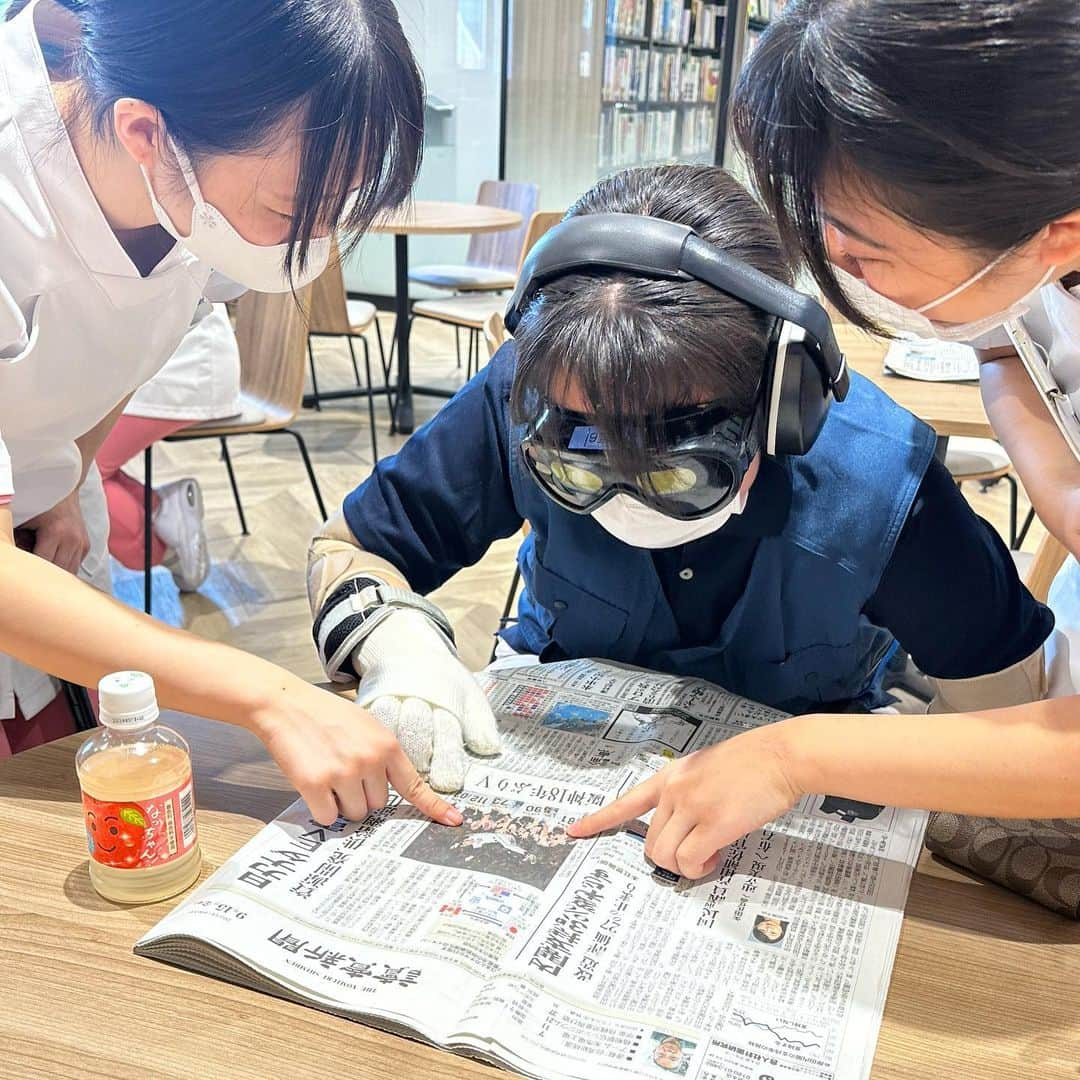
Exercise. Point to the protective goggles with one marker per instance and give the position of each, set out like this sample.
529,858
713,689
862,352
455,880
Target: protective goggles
698,468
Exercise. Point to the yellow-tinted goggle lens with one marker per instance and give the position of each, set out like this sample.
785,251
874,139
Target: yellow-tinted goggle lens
574,477
674,481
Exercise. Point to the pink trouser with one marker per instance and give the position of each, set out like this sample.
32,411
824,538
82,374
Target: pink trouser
53,722
125,495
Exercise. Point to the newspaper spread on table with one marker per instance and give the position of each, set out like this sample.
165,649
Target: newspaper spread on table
932,361
506,940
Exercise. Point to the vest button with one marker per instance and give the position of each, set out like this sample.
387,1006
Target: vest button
559,605
686,574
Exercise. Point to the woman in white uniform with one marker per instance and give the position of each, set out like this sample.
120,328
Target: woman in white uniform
199,382
227,135
923,160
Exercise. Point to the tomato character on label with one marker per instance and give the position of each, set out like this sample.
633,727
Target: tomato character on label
116,834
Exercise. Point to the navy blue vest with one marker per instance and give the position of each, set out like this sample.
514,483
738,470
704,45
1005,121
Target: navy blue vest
796,638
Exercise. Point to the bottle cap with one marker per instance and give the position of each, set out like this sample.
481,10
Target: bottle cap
127,700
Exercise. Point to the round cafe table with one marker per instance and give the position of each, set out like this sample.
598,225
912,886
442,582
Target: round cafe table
428,218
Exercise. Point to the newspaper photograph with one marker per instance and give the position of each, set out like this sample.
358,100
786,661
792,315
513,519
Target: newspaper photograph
507,940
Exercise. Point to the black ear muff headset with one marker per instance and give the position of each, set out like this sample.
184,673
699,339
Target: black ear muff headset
805,369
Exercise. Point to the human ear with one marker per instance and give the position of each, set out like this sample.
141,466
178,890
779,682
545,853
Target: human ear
138,129
1060,246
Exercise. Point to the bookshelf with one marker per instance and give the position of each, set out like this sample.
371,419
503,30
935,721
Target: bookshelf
593,86
759,13
663,68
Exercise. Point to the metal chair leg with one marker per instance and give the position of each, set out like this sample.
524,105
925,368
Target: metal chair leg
314,380
383,359
1013,496
148,528
457,345
393,346
474,352
352,356
82,710
232,483
384,363
370,399
504,619
1021,536
302,447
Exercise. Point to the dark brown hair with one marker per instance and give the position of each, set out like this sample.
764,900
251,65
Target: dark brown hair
960,117
226,74
638,347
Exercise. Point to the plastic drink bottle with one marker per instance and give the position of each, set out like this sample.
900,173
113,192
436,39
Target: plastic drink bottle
138,798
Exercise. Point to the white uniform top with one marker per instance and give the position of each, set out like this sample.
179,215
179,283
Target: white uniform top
80,329
200,381
1054,323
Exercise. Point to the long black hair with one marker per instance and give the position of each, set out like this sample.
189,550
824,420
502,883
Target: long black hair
638,347
227,74
958,116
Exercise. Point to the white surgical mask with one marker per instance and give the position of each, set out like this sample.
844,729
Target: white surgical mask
640,526
915,320
215,242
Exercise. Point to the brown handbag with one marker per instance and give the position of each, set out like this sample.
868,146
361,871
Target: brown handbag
1037,859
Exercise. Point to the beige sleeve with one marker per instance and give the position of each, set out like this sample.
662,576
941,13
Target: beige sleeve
335,556
1020,684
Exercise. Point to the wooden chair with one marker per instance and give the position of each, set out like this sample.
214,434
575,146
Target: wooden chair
1039,570
495,334
270,333
334,315
984,461
471,311
492,259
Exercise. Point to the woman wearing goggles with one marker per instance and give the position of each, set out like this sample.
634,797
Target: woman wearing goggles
627,425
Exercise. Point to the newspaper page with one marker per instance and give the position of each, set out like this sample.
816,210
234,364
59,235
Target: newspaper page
932,361
506,940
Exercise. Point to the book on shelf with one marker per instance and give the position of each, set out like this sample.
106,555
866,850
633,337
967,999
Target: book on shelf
703,24
626,18
675,77
659,134
671,22
698,131
710,80
764,10
625,68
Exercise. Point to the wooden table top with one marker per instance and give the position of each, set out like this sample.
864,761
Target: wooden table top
431,218
986,985
949,408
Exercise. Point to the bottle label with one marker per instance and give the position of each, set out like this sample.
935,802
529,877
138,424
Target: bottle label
135,835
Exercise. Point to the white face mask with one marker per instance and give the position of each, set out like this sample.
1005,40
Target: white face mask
215,242
914,320
640,526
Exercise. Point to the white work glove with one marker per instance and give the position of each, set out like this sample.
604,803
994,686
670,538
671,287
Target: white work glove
414,684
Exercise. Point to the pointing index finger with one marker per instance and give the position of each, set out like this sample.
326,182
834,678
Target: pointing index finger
633,804
410,785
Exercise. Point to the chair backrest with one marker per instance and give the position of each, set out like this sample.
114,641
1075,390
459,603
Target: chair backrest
495,334
329,301
539,223
1049,557
271,333
502,250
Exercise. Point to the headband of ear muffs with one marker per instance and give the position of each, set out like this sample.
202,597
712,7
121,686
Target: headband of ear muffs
805,369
